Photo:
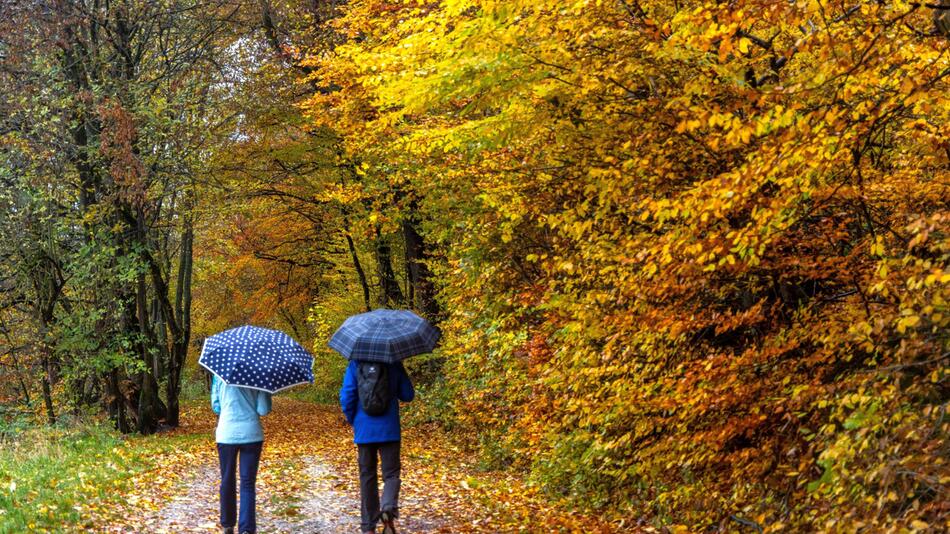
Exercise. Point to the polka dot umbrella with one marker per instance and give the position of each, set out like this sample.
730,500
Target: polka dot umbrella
257,358
386,336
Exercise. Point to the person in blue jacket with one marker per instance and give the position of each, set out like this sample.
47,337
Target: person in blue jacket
377,436
239,434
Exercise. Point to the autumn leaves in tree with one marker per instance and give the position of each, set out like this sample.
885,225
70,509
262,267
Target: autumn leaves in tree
694,256
690,259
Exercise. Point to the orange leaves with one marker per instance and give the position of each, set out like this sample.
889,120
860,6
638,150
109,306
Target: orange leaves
680,242
118,139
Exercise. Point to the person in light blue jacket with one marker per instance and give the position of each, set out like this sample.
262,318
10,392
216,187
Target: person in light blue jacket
377,435
239,433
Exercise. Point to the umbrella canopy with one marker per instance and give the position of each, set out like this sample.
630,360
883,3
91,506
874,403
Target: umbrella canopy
257,358
385,336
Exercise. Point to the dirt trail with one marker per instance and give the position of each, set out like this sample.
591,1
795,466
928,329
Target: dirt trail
307,483
304,484
324,507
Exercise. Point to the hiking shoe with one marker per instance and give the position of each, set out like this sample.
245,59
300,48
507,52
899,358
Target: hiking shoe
388,520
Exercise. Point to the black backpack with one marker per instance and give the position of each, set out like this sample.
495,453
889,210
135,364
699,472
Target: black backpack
372,382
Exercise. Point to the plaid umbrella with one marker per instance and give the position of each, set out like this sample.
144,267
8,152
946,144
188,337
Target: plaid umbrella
257,358
385,336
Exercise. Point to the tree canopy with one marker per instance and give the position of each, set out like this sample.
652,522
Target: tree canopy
690,258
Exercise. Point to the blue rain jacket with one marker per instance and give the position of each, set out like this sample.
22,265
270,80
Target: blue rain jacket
240,410
381,428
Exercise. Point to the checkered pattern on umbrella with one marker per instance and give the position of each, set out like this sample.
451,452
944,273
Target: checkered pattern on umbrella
257,358
386,336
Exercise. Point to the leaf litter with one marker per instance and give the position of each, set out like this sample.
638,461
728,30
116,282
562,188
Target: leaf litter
307,483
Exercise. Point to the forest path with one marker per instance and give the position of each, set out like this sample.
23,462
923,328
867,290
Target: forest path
307,483
322,506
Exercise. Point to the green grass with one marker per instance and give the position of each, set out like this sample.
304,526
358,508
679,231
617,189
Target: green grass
46,472
51,478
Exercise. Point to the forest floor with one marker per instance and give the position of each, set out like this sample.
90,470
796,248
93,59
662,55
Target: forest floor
307,483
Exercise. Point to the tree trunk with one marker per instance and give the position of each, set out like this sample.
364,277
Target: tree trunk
420,278
356,263
389,293
48,393
115,402
162,357
44,314
181,335
148,404
148,407
173,391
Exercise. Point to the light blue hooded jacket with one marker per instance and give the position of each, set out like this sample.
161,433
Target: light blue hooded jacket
240,410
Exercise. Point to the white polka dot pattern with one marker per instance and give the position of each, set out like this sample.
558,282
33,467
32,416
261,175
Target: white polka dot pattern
257,358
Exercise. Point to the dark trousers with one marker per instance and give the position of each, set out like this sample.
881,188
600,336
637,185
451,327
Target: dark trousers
370,506
250,457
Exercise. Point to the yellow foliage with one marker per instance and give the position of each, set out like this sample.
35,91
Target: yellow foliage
695,254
